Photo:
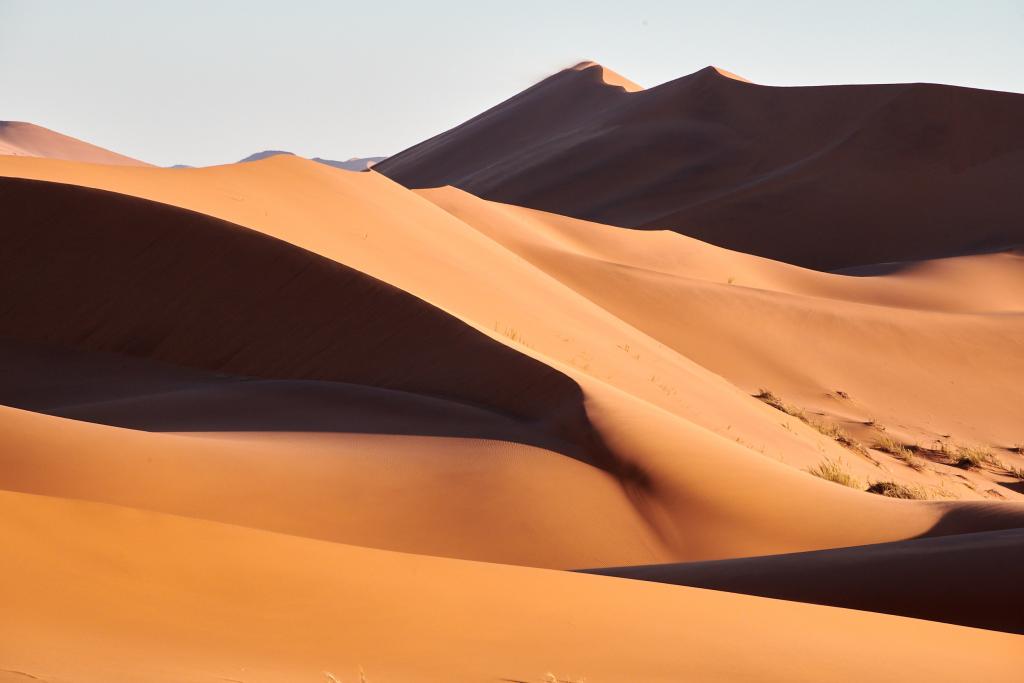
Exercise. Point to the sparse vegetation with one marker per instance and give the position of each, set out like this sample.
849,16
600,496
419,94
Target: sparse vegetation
834,471
513,334
968,457
834,431
894,489
1016,472
901,452
765,395
829,429
941,448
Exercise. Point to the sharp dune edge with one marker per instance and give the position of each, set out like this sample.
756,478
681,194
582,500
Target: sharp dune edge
278,421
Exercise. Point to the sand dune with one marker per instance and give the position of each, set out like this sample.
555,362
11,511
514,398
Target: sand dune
887,172
25,139
278,421
939,579
135,277
859,328
99,593
676,455
466,497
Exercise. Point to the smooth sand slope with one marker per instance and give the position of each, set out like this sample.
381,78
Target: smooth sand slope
968,579
18,138
929,352
824,177
688,449
101,593
361,368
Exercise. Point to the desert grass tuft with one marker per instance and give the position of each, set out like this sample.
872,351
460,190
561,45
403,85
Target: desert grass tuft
834,431
894,489
901,452
968,457
831,430
766,396
834,471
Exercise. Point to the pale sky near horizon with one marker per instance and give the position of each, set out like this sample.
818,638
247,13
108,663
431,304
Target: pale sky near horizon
203,83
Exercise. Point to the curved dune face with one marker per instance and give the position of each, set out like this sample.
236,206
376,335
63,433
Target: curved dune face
25,139
673,447
101,593
106,272
823,177
340,366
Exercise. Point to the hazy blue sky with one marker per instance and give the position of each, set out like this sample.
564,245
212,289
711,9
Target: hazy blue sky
210,82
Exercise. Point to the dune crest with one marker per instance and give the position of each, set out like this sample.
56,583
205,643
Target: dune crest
729,74
607,75
196,599
890,172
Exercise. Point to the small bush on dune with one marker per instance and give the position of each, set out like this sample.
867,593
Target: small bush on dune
774,401
900,451
835,471
893,489
973,458
834,431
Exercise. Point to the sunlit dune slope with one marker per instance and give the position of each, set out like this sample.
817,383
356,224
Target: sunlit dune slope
931,352
100,593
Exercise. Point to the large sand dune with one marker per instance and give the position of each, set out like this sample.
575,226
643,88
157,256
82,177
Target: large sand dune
18,138
101,593
824,177
268,421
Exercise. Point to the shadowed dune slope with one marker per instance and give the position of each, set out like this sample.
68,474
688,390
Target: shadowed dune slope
99,593
26,139
107,272
139,393
968,579
824,177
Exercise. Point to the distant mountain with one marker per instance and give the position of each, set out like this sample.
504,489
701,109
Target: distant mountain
823,177
264,155
18,138
353,164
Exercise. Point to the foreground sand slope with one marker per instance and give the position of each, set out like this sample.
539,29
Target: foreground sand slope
825,177
26,139
108,594
472,498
